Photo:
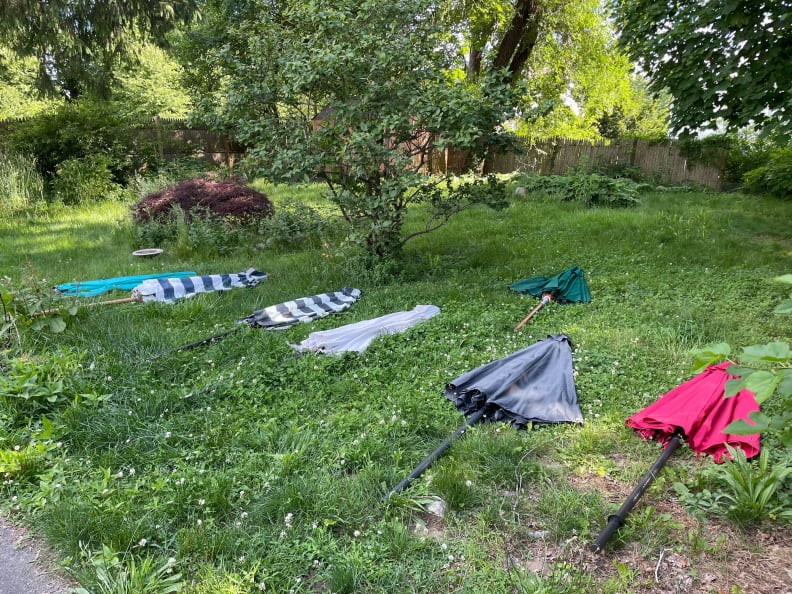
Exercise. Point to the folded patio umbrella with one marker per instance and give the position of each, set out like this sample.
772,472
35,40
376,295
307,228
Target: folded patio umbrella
285,315
565,287
91,288
535,384
358,336
696,412
169,290
306,309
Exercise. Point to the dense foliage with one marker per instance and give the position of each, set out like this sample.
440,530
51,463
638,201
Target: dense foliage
79,43
355,94
720,59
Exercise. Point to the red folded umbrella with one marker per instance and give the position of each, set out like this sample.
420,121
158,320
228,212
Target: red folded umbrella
700,411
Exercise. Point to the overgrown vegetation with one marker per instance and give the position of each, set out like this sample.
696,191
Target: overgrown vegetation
238,467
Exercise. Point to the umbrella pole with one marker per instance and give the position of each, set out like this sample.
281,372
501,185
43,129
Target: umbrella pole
546,298
616,520
197,343
419,470
47,312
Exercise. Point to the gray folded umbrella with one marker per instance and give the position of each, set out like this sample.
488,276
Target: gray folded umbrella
532,384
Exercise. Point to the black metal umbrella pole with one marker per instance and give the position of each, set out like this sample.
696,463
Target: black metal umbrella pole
616,520
535,384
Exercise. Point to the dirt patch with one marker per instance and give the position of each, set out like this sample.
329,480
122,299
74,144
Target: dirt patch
226,199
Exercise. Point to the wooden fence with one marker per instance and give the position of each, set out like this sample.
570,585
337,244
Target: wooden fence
660,162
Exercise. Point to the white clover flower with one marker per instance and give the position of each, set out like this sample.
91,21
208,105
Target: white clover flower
168,434
199,522
244,515
131,472
288,519
356,533
201,501
468,483
171,561
142,542
120,474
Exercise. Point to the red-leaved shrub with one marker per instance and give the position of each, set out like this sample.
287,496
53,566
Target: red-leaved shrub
225,198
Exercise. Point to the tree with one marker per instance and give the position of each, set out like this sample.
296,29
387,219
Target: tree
78,43
563,50
724,59
355,93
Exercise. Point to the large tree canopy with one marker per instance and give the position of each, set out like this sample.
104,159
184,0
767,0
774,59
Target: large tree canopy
356,93
564,52
727,59
78,43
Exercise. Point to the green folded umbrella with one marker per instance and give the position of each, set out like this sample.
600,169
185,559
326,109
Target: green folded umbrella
568,286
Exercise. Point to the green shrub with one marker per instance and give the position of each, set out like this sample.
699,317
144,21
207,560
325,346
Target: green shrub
589,189
81,129
774,178
296,224
87,179
21,185
745,154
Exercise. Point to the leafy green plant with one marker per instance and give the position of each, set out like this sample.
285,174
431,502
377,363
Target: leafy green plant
750,490
31,305
774,178
588,189
86,179
785,306
297,224
109,573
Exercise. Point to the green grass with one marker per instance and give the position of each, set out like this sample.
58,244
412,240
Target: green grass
250,466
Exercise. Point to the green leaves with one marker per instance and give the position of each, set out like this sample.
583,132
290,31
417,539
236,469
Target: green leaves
706,356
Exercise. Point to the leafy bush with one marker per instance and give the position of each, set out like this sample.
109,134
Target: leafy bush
78,130
746,153
775,178
21,185
297,224
87,179
587,189
227,199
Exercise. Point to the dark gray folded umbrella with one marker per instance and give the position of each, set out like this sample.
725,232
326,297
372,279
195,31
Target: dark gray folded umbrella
532,384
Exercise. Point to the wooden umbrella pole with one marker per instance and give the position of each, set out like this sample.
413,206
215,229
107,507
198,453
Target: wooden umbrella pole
546,298
47,312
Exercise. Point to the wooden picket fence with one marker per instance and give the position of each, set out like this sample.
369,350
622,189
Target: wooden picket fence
659,162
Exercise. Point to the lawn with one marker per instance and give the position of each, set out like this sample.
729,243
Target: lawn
240,467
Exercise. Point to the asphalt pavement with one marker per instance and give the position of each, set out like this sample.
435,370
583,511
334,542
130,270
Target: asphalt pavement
23,566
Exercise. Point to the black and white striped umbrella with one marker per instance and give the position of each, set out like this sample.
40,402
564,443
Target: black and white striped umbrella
306,309
169,290
285,315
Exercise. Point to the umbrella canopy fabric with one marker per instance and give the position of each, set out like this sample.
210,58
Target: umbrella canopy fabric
306,309
90,288
532,384
358,336
699,409
568,286
168,290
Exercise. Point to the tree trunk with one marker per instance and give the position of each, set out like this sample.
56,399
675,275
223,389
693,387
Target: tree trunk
519,41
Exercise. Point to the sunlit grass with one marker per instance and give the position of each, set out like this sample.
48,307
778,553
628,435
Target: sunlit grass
248,465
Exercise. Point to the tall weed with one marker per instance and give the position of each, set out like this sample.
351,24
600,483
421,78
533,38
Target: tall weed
21,184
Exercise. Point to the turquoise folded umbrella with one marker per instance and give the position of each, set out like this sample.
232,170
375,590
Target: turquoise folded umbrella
91,288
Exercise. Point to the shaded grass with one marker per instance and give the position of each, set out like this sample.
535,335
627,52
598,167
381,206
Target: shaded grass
228,440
